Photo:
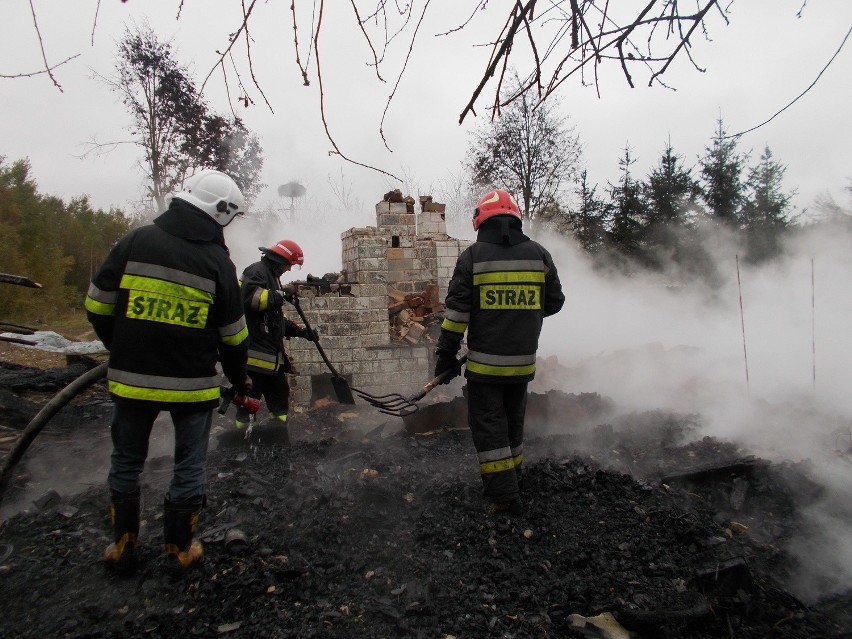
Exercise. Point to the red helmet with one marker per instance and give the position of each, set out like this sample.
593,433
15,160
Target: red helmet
284,252
497,202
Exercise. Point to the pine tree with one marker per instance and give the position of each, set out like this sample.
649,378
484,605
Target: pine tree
629,210
722,187
591,218
672,194
767,207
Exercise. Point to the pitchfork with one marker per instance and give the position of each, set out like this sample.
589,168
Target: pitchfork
399,406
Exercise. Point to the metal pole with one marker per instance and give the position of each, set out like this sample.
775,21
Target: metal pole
742,326
813,328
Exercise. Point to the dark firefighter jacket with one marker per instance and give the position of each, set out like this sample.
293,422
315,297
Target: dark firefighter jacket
503,286
267,327
166,303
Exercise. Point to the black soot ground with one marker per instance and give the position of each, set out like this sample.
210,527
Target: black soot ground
367,529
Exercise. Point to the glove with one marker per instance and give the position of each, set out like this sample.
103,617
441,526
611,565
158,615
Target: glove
247,386
275,300
447,362
310,334
288,293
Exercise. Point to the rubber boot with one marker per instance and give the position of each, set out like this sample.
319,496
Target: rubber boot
179,522
511,508
274,431
124,513
282,433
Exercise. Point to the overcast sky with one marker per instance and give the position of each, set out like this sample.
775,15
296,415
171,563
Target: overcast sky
754,67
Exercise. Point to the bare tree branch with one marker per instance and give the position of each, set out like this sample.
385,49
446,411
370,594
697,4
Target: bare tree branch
367,38
47,68
231,43
504,48
560,39
250,61
796,99
304,70
322,104
40,72
402,71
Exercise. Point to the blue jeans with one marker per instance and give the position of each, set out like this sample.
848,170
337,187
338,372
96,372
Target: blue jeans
131,428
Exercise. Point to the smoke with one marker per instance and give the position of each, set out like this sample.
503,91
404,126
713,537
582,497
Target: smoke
315,225
763,359
69,457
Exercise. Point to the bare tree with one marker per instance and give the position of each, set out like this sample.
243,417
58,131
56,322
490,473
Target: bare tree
563,38
529,151
547,41
171,123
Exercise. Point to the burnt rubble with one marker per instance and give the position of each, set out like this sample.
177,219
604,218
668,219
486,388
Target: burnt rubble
365,529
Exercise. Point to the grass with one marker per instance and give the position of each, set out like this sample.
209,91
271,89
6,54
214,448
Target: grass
72,325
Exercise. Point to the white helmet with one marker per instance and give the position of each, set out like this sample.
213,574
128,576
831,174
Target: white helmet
215,193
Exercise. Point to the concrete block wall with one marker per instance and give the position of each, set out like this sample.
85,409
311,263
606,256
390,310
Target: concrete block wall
354,335
431,223
404,251
447,252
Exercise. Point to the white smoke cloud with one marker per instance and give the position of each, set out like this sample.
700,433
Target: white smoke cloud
687,349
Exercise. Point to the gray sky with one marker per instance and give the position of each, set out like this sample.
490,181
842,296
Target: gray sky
754,67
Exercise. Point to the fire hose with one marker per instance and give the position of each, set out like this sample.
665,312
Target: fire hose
68,393
43,416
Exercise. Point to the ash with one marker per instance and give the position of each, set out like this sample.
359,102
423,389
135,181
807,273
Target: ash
366,528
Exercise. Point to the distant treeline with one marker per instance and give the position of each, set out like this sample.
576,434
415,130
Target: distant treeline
669,219
672,221
54,243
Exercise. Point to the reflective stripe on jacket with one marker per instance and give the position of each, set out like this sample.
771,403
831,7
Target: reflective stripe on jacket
499,294
168,308
267,327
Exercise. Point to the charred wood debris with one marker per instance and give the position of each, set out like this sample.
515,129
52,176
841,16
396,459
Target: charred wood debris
413,317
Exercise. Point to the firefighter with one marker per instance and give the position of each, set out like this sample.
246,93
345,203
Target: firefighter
268,364
166,303
502,288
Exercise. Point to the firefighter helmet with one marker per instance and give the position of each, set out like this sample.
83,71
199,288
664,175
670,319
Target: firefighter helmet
284,252
215,193
497,202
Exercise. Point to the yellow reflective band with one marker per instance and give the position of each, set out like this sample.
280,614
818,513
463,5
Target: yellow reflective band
162,395
280,418
454,327
486,468
261,363
157,307
99,308
153,285
510,297
500,277
518,460
263,302
235,340
500,371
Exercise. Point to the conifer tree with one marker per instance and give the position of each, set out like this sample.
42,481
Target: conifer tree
722,186
767,207
629,210
672,194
